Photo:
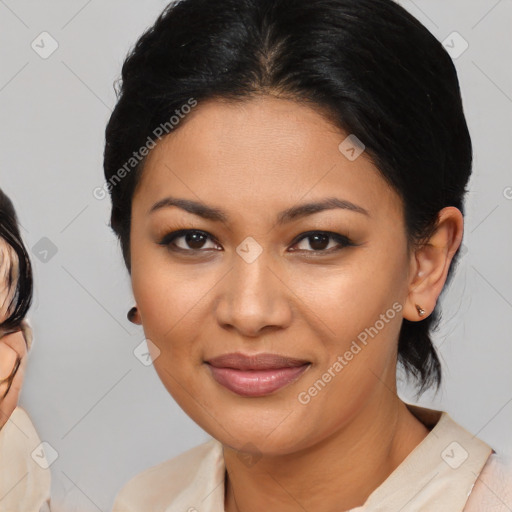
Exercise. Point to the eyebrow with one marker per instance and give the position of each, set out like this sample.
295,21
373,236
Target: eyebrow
288,215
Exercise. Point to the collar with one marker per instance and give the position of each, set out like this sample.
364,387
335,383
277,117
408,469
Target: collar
438,474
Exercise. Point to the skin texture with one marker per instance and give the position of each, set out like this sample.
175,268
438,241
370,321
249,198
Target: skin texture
253,160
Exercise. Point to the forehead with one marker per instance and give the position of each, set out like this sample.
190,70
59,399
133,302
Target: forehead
266,152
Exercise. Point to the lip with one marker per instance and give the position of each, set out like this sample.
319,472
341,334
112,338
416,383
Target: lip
256,375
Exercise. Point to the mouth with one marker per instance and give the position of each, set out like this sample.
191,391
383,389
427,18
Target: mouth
256,375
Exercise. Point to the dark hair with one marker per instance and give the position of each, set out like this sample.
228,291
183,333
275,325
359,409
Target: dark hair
369,65
22,297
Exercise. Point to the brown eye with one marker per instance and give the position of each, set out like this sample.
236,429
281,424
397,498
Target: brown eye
195,240
318,242
322,241
188,241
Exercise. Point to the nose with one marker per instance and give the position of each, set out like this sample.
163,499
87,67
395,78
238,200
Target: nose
254,298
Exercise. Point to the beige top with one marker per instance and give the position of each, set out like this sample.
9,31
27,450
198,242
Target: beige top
438,475
24,481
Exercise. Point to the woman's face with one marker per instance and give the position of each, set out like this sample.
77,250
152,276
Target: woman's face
254,283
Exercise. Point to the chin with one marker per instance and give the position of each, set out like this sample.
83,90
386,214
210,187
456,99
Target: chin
251,433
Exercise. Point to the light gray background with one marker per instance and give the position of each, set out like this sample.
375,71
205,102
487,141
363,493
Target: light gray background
107,414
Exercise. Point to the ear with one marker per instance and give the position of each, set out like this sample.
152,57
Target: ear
430,263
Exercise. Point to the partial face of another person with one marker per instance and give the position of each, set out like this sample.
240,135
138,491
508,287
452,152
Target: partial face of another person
8,277
13,348
257,273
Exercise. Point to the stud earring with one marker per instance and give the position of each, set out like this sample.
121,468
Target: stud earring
131,314
420,310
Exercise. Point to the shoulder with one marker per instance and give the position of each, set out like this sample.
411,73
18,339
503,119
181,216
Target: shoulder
22,454
19,433
492,491
179,478
21,419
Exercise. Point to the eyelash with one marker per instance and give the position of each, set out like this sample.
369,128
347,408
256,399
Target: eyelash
169,238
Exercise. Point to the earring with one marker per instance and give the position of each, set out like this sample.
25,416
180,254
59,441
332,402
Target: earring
420,310
131,314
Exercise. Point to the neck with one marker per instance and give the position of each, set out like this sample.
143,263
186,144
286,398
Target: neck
337,474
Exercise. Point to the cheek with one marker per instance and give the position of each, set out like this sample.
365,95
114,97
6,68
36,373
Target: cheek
168,296
169,306
174,305
345,302
356,313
